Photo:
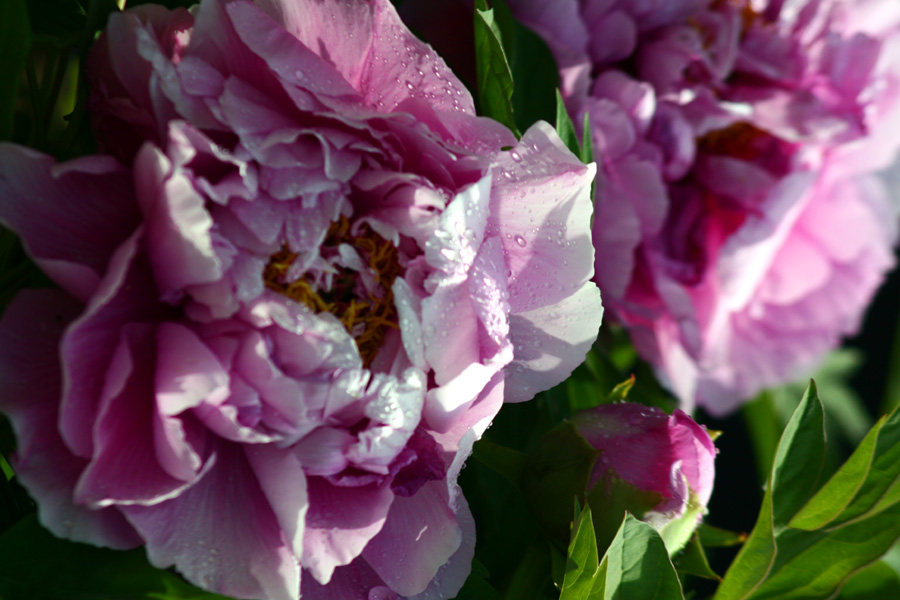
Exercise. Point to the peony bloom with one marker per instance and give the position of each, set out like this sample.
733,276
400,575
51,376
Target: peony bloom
739,229
668,458
295,292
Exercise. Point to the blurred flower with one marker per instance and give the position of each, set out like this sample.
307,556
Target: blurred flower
667,459
738,227
291,303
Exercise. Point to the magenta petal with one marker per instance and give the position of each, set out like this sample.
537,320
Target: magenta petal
551,341
420,535
356,581
340,522
222,534
125,468
29,395
90,199
125,294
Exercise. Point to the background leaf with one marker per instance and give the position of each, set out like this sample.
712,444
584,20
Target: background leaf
495,83
35,564
808,543
15,44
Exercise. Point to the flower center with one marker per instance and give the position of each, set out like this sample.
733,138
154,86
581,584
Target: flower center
364,303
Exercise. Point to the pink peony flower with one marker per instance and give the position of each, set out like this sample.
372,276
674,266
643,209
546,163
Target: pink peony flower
666,457
291,303
739,229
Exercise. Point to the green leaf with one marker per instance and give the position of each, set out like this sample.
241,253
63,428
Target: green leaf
505,461
582,563
807,543
587,141
495,83
533,69
878,581
715,537
611,498
557,470
693,561
476,586
532,577
798,460
15,44
35,564
637,567
564,126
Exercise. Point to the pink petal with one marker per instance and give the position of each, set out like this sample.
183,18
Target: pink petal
125,294
91,199
547,245
124,468
420,535
551,341
281,477
341,522
177,224
222,533
30,389
374,51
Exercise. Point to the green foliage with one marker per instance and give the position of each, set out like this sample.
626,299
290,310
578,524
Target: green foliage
15,44
495,82
878,581
582,561
810,539
556,471
533,69
476,586
564,126
35,564
635,567
692,560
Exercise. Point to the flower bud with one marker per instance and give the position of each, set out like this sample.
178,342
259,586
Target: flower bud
666,460
623,457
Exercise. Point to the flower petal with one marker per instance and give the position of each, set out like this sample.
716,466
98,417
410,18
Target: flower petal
90,199
198,532
30,389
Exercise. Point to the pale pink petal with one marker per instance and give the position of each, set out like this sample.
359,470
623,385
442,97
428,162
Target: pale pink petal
246,556
551,341
421,534
547,244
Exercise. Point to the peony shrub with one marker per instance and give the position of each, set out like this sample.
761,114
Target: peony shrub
296,287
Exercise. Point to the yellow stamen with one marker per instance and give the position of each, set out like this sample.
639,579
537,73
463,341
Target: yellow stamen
366,319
